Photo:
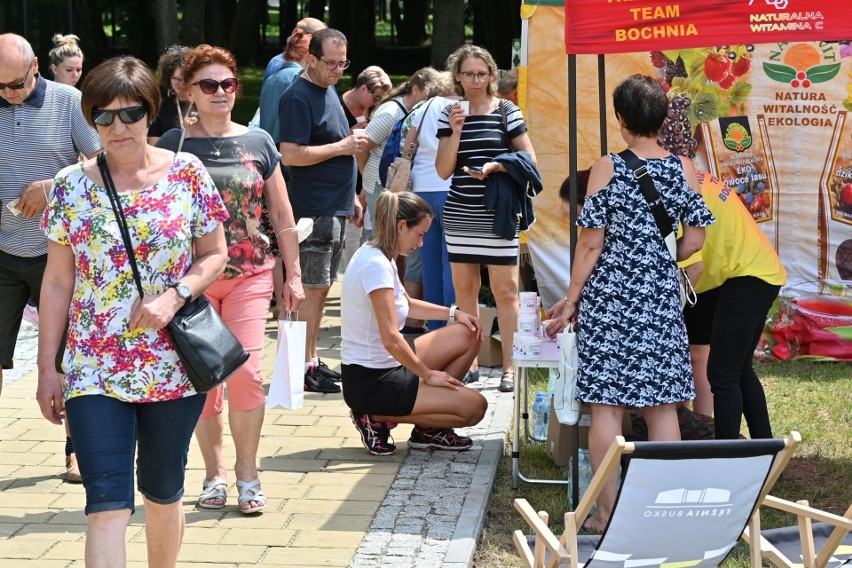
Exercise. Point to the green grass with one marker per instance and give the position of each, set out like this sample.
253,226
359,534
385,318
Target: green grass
812,398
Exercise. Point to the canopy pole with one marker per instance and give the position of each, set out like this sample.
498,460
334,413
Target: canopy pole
602,102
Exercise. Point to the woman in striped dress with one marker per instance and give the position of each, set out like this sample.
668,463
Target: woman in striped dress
469,142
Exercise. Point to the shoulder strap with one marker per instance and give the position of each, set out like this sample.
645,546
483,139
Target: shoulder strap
652,198
121,219
402,106
415,144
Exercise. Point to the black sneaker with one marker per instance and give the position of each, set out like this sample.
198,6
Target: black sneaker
470,377
438,439
323,370
374,435
316,383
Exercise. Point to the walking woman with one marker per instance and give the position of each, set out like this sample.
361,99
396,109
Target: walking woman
244,165
124,386
469,142
385,381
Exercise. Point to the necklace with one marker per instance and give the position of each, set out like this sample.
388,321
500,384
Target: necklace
216,149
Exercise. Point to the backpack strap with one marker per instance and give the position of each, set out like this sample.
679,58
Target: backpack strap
503,103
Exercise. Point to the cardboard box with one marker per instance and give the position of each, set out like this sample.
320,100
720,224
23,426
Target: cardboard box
491,350
560,438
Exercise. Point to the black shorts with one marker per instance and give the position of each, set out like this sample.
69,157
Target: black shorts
20,280
699,318
384,392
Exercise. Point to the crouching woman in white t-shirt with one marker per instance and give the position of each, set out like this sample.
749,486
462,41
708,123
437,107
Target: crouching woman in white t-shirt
384,381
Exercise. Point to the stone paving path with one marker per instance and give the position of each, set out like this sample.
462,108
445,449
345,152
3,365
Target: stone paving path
330,502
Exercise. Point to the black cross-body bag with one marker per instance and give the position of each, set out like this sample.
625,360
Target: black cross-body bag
661,218
208,350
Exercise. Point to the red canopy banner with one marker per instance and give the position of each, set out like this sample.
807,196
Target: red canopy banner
622,26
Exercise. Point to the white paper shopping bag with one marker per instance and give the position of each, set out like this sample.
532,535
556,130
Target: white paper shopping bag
287,388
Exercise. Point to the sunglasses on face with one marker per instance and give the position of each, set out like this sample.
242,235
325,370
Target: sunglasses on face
17,86
210,86
128,115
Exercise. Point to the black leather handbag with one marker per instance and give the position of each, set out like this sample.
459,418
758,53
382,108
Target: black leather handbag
208,350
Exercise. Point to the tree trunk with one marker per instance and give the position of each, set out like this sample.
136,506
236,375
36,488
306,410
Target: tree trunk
494,30
447,30
192,24
245,32
88,25
165,23
357,20
216,14
316,9
412,30
288,15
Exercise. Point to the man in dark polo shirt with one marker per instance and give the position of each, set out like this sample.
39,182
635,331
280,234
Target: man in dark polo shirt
42,130
317,146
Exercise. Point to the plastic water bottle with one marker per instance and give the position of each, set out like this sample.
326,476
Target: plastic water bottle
553,375
584,475
540,415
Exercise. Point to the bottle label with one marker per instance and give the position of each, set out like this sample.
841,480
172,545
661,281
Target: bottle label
834,241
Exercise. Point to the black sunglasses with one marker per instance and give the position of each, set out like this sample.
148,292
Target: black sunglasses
210,86
17,86
128,115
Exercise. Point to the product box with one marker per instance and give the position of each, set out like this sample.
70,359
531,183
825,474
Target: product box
560,438
490,352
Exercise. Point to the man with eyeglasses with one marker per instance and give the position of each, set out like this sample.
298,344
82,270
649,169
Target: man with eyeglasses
43,130
317,146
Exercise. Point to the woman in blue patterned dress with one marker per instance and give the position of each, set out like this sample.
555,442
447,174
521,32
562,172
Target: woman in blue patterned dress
633,348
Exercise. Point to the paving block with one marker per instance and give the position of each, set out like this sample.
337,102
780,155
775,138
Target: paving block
308,557
313,521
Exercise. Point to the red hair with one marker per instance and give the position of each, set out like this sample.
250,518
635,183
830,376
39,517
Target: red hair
204,55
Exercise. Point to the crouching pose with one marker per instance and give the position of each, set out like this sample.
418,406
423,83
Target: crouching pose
385,382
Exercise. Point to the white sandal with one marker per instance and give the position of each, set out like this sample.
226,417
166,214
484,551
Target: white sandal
216,488
250,491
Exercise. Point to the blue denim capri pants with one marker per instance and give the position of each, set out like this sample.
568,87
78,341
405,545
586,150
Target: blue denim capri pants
106,433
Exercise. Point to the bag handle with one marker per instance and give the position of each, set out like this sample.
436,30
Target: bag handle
120,219
653,199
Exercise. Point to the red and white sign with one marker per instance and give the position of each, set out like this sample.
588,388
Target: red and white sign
622,26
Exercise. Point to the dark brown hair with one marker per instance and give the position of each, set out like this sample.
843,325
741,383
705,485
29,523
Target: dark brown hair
169,61
122,77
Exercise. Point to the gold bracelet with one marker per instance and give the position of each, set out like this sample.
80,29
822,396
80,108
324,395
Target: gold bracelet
44,191
568,302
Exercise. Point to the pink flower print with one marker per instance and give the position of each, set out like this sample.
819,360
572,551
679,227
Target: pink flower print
170,228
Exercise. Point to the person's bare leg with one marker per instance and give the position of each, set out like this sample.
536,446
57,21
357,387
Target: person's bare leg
504,287
415,290
466,282
310,312
450,349
245,429
209,433
605,426
164,528
703,403
105,534
662,423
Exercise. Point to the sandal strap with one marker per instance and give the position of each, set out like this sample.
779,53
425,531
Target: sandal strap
243,487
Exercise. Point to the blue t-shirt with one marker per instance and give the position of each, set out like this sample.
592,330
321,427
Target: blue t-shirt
274,66
312,115
270,96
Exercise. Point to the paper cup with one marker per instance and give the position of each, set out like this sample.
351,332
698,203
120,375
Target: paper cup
360,119
465,106
359,131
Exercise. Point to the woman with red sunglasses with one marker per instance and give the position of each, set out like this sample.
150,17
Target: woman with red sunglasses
244,166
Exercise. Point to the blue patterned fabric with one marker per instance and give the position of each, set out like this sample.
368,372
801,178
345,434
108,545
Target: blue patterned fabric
633,348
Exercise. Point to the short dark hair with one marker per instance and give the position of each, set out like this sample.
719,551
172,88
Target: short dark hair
643,105
326,34
171,59
122,77
582,187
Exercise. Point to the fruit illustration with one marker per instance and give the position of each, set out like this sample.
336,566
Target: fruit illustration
716,66
741,66
845,197
728,81
801,67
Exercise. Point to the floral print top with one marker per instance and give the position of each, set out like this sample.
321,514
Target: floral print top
103,356
240,166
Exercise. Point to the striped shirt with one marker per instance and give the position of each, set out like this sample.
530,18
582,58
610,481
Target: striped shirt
39,137
468,226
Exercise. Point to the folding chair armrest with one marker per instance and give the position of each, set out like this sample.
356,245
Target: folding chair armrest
543,535
523,548
799,509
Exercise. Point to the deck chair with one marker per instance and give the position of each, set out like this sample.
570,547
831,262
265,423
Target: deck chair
824,544
680,504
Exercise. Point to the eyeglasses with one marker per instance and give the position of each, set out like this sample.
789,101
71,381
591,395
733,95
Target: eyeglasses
376,98
20,85
176,80
210,86
475,77
336,64
128,115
